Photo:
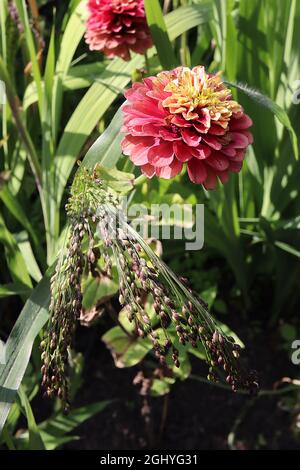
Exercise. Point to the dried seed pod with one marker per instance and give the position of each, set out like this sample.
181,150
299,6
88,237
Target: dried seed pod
141,278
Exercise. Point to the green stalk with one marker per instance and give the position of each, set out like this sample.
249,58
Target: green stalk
24,135
22,9
140,180
185,56
147,64
25,138
3,14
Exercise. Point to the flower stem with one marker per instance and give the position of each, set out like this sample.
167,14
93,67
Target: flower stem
184,50
140,180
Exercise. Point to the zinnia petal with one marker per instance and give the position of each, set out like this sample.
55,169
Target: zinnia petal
185,116
161,155
190,138
148,170
197,171
182,151
217,161
169,171
117,27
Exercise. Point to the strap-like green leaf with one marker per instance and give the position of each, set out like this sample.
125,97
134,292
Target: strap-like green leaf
159,34
19,345
280,113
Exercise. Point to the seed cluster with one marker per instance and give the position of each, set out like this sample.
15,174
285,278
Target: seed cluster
64,308
179,317
13,13
138,280
66,295
188,315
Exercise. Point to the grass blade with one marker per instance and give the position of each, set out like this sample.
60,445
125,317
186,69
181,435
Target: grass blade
106,150
35,440
7,290
159,34
280,113
19,345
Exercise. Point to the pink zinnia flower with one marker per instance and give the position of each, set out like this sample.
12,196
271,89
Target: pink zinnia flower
185,116
116,27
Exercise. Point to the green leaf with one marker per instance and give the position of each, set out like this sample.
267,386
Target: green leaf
106,150
3,16
288,248
59,425
16,209
29,258
185,18
119,181
124,322
199,352
266,102
98,290
50,67
30,44
53,442
127,350
72,36
229,332
83,76
7,290
161,387
79,76
13,255
54,430
35,440
288,332
289,224
25,137
92,106
159,34
17,168
209,295
19,345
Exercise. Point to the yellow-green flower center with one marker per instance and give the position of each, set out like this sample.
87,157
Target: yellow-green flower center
194,90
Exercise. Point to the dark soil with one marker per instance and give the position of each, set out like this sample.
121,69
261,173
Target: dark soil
194,415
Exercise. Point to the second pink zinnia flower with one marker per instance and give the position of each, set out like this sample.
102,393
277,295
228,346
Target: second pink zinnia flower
116,27
185,117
